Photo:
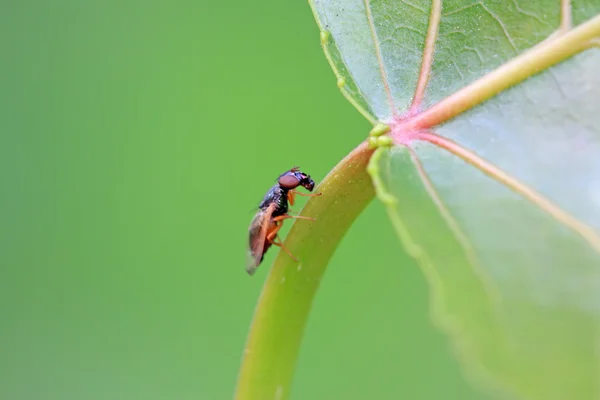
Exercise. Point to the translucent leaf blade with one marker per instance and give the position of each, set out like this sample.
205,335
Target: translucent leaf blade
518,293
544,132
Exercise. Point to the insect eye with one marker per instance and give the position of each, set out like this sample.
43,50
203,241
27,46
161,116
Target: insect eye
288,181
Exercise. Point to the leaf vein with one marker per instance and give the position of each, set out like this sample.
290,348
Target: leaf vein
565,15
428,50
384,78
499,21
459,235
529,14
416,7
584,231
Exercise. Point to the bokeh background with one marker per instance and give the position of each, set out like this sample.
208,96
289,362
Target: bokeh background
136,139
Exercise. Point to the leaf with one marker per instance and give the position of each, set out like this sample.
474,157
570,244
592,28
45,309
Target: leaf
493,184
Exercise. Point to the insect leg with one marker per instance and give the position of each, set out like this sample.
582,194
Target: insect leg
292,193
285,216
273,234
280,244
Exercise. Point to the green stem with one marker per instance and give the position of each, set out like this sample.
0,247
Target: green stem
280,317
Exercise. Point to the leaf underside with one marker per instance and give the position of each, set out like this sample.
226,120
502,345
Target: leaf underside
493,182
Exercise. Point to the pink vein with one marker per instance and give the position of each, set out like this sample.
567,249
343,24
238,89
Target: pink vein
538,58
587,233
460,236
384,78
565,15
432,32
446,215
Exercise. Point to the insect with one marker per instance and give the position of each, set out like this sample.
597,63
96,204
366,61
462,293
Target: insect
273,210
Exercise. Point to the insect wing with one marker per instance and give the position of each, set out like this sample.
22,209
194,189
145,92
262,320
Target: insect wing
257,237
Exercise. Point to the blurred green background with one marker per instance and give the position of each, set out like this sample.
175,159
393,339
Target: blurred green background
136,140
